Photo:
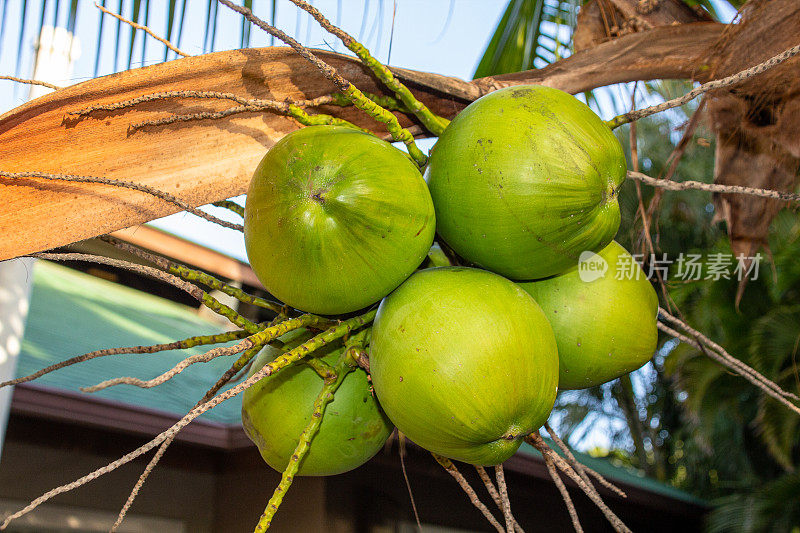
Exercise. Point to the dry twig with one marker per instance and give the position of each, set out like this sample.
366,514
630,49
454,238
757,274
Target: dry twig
147,30
489,484
579,467
176,345
467,488
712,354
536,440
713,187
502,489
573,514
174,371
359,99
127,185
728,358
221,382
30,82
706,87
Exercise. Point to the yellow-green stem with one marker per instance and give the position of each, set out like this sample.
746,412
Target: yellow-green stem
325,396
387,118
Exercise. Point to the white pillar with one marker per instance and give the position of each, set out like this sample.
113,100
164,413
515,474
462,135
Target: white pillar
56,51
15,287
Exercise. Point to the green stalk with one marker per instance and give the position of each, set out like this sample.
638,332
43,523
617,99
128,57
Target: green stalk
231,206
434,123
306,119
191,274
387,118
332,382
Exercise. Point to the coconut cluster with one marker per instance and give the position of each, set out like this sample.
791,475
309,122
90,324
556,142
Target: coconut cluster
464,360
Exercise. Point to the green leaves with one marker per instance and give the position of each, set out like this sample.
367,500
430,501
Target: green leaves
530,30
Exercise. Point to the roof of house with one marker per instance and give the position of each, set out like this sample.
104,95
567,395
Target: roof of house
72,313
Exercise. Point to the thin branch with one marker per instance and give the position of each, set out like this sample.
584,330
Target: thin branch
221,382
191,342
779,396
147,30
573,514
198,276
713,187
536,440
208,95
579,467
401,439
230,206
290,110
335,99
278,364
323,399
203,297
467,488
675,157
264,336
731,360
31,82
489,484
704,88
506,502
349,90
127,185
187,287
174,371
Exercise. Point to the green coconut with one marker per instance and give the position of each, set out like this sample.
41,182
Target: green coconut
603,313
524,180
335,219
277,408
464,363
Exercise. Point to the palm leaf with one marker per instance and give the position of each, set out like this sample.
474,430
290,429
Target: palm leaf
144,38
245,40
72,17
117,40
137,4
170,24
99,40
3,23
182,23
56,13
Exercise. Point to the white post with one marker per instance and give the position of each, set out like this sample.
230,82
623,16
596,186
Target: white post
15,287
56,51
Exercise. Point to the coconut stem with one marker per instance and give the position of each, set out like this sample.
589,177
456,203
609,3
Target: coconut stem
325,397
230,206
503,489
433,122
191,342
193,275
489,484
467,488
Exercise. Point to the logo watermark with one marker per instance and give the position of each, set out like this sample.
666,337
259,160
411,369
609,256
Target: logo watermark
686,267
591,266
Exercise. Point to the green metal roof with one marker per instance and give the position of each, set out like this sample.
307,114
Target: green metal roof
72,313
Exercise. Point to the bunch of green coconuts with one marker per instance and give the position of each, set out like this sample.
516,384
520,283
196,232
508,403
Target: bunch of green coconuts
464,360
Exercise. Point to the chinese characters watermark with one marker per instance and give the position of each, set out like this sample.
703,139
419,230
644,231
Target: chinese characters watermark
686,267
